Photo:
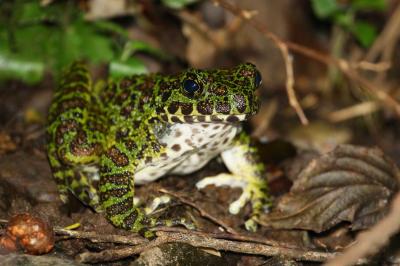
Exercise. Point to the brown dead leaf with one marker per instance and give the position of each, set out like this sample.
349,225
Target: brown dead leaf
350,183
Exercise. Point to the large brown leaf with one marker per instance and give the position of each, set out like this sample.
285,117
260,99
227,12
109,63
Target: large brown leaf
350,183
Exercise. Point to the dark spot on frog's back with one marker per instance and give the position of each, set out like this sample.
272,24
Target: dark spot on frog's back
219,91
122,97
70,104
205,107
126,111
117,157
165,95
223,108
240,102
186,108
121,133
173,107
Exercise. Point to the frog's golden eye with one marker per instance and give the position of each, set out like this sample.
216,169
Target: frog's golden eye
190,86
257,79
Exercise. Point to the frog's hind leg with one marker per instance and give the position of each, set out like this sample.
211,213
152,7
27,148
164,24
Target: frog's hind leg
247,172
75,137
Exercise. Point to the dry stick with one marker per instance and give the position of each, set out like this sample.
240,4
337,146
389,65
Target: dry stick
101,238
371,241
353,111
227,236
389,34
343,65
205,242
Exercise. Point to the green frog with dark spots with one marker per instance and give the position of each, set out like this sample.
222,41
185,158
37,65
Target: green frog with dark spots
105,139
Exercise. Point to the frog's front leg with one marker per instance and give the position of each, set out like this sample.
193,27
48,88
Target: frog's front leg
116,190
246,172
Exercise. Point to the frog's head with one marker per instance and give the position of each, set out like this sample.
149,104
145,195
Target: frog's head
223,95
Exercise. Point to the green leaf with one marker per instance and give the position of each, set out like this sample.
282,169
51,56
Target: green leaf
129,67
132,47
344,19
178,4
325,8
13,68
364,32
109,26
371,5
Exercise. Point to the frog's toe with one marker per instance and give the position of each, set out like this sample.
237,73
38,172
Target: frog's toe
157,202
223,179
237,205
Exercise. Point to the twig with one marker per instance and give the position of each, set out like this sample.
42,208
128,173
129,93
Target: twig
205,242
353,111
343,65
389,35
227,236
290,83
101,238
371,241
202,212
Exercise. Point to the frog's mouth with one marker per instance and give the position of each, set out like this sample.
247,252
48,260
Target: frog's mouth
217,118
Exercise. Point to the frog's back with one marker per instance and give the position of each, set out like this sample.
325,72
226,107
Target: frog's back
129,99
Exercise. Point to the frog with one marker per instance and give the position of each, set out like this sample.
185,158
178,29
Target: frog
105,138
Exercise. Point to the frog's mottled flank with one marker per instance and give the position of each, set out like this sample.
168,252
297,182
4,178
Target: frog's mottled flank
105,139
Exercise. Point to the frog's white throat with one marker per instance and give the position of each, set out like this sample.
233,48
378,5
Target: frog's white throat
188,148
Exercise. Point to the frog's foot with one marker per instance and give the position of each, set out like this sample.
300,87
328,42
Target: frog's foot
254,191
157,205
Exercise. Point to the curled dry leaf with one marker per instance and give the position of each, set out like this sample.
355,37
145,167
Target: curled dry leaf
350,183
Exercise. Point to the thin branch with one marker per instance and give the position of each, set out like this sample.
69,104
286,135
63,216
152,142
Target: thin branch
354,111
204,242
227,236
101,238
290,83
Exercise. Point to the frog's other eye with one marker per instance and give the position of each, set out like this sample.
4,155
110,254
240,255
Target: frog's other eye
190,86
257,79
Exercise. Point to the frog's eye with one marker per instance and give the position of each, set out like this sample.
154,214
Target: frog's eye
190,86
257,79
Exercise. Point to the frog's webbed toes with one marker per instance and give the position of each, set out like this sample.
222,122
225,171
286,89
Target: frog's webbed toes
223,179
157,205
